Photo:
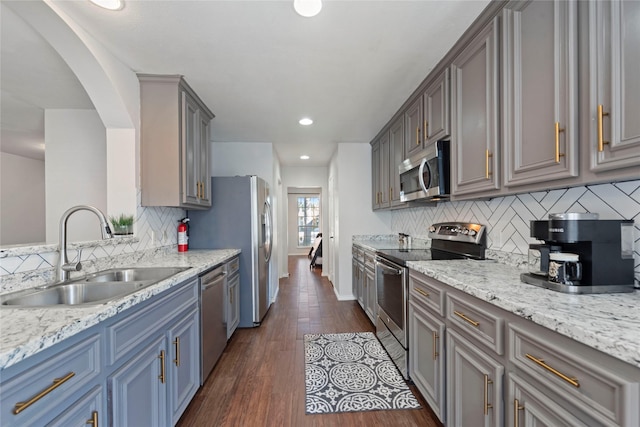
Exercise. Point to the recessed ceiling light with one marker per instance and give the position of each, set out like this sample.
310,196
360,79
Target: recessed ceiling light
304,157
109,4
307,8
306,121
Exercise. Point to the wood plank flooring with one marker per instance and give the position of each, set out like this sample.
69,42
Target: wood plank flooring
259,380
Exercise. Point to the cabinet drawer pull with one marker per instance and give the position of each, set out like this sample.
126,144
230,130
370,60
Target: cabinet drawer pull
487,155
435,345
464,317
94,419
57,382
517,407
601,141
161,357
487,405
573,381
558,153
176,343
421,292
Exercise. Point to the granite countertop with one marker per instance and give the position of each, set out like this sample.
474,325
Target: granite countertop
26,331
607,322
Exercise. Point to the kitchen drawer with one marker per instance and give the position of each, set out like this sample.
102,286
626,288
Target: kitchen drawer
426,291
55,379
129,331
603,388
479,320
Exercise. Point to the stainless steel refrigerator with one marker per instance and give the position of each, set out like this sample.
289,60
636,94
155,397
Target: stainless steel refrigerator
240,218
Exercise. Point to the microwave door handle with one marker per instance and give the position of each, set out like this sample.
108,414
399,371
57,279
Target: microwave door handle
423,163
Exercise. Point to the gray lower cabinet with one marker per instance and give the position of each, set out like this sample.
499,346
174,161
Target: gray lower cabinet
474,378
137,390
371,296
614,92
475,115
496,368
426,356
233,296
540,91
138,368
357,271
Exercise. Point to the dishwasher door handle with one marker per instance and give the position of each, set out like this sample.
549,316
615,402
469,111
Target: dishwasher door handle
214,282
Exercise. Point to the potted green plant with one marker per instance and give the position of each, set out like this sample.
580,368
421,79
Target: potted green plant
122,224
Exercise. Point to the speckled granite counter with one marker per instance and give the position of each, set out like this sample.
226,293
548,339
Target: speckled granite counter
609,322
26,331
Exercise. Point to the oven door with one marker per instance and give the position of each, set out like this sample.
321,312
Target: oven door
391,288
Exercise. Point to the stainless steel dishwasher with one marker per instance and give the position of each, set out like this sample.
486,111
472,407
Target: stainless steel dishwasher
213,325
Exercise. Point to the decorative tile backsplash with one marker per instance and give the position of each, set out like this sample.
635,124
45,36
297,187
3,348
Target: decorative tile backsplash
155,227
507,218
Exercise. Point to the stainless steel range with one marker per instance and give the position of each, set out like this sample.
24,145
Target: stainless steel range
450,240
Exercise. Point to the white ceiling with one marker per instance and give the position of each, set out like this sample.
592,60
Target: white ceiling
260,67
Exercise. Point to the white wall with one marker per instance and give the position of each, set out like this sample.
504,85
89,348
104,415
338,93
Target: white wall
351,176
22,207
75,171
253,158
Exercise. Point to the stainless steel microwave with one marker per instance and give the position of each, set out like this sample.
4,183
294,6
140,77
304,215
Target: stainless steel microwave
426,176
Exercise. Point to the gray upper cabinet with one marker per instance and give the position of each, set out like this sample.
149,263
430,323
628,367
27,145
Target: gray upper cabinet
436,109
375,174
540,90
474,115
396,156
614,99
413,128
174,141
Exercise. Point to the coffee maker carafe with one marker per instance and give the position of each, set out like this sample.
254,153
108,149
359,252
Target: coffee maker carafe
584,254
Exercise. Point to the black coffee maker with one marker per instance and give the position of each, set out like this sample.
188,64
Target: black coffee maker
582,254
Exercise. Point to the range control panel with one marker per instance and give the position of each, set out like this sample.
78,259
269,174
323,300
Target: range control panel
458,231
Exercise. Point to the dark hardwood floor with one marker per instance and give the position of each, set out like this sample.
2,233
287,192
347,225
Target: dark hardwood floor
259,380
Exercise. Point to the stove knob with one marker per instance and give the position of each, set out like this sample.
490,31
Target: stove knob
432,229
472,232
465,231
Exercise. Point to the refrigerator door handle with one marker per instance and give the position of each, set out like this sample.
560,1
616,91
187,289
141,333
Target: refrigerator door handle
268,234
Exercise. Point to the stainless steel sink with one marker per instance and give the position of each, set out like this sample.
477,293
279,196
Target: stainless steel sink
97,288
133,274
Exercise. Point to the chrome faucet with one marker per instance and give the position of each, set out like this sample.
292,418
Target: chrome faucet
64,266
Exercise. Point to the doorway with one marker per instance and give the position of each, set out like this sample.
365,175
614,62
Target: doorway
304,219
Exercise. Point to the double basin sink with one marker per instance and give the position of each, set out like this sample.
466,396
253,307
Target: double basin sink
96,288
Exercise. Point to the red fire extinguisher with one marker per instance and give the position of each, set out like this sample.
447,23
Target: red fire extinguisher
183,235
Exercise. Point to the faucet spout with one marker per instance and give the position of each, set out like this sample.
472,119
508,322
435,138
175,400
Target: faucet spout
64,267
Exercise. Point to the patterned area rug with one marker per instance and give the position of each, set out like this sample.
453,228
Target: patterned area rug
352,372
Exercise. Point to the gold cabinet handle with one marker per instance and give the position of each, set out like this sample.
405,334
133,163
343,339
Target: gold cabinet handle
421,292
176,343
418,135
601,141
435,345
161,357
517,407
426,130
464,317
198,189
487,155
487,405
94,419
571,380
57,382
558,153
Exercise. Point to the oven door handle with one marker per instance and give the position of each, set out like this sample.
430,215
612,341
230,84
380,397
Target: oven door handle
388,270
